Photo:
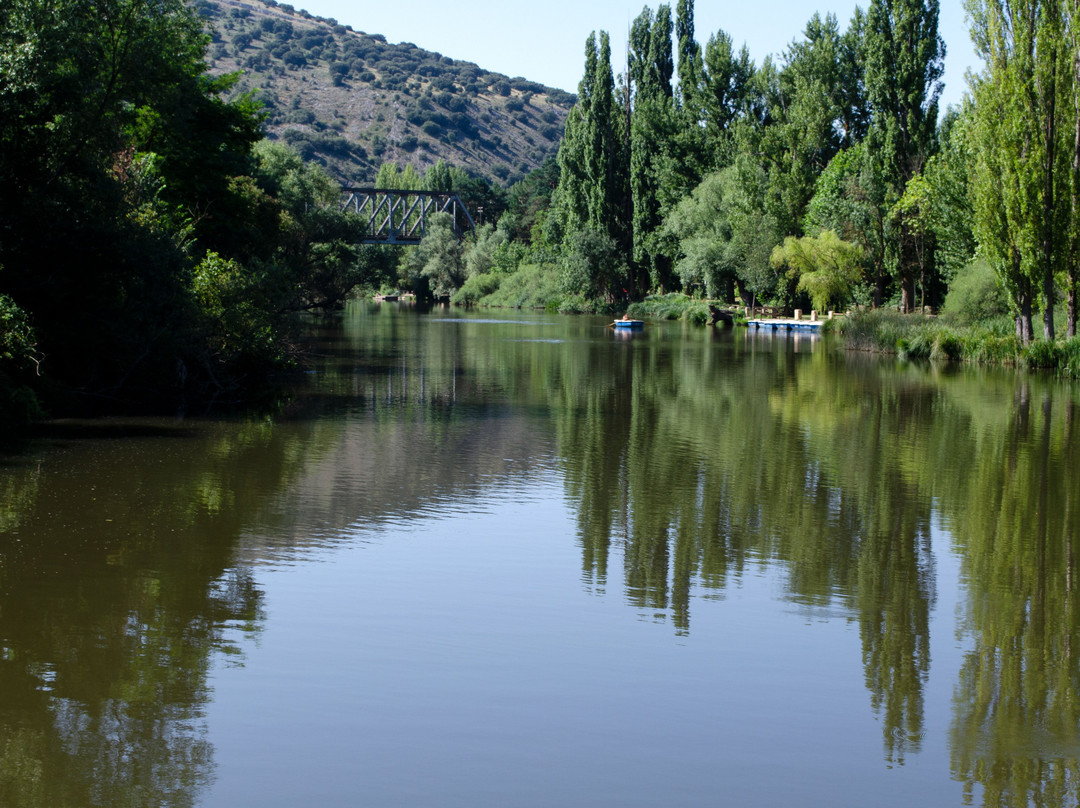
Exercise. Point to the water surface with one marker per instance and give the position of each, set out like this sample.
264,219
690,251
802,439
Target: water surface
521,560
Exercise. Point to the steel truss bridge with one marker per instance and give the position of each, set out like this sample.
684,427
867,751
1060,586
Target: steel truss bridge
401,217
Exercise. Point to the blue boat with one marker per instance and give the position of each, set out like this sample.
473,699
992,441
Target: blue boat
633,324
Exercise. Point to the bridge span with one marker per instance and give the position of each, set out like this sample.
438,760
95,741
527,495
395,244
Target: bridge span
401,217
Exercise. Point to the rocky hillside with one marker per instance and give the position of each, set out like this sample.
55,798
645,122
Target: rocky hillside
352,101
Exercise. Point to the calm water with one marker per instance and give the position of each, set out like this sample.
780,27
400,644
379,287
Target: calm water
521,560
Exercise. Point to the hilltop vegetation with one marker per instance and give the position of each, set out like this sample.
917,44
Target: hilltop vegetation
352,101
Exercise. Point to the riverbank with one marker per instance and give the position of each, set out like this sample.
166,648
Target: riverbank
920,337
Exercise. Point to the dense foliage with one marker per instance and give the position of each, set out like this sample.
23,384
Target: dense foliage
723,166
151,247
705,173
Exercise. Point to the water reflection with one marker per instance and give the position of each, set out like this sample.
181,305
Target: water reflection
1016,724
687,459
115,586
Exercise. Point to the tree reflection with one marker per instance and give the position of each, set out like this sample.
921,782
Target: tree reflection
687,464
1016,727
113,602
698,479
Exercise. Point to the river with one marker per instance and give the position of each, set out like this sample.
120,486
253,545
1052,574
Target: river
518,559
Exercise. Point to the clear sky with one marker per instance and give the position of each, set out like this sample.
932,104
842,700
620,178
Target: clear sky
545,41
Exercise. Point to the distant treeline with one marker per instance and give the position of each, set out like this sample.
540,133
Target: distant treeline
827,177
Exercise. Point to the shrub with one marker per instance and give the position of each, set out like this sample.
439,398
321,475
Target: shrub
475,288
532,286
975,294
294,58
18,344
1070,358
1041,354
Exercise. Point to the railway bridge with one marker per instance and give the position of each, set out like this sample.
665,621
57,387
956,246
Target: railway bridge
401,217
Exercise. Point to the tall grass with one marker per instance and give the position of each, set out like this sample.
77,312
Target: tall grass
988,343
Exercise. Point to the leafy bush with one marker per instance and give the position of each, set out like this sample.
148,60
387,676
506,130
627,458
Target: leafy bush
294,58
533,286
475,288
236,328
975,295
947,346
18,342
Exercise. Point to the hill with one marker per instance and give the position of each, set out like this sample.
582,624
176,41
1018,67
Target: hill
352,101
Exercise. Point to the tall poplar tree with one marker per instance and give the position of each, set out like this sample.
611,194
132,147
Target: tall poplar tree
1072,270
689,56
652,132
904,64
594,189
725,87
570,199
1021,183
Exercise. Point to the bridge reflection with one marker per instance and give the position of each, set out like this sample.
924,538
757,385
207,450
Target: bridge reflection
402,217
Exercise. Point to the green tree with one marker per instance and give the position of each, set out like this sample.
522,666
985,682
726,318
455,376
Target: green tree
653,133
808,102
725,235
593,266
317,260
827,268
1022,100
439,259
480,254
117,159
725,93
594,183
570,198
904,64
947,173
689,58
849,198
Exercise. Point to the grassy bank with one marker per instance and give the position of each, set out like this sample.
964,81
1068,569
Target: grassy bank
917,337
672,306
530,286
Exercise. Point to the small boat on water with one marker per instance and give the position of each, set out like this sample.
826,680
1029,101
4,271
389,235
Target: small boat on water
633,324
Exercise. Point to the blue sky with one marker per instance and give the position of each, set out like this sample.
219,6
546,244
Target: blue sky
545,41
